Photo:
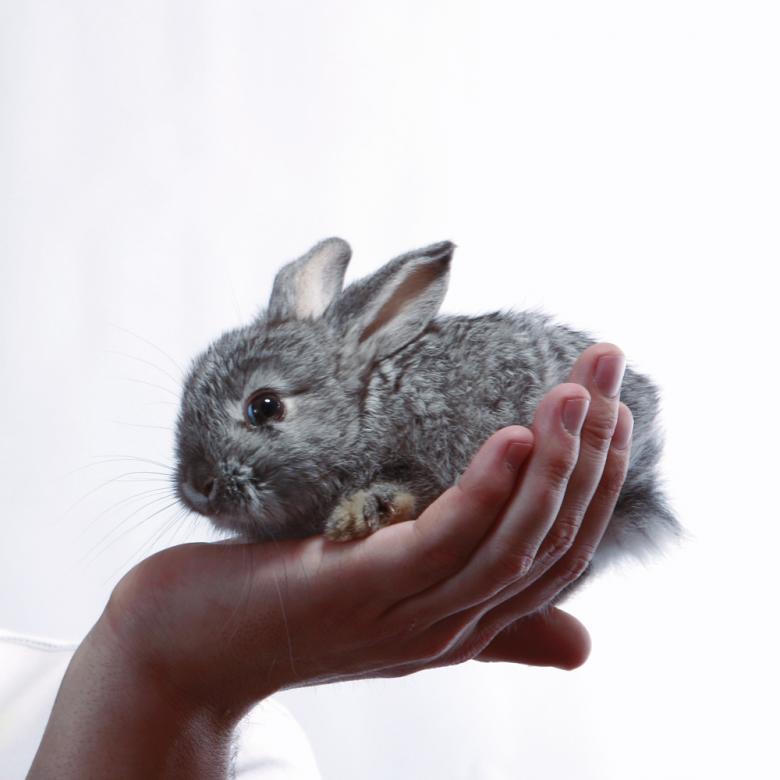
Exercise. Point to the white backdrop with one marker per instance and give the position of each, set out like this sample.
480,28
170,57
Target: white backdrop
614,163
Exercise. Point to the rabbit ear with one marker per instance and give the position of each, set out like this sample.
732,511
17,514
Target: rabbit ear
305,287
387,310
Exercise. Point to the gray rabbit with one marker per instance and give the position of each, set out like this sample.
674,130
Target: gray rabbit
341,411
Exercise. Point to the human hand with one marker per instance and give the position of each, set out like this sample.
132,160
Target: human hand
213,628
233,622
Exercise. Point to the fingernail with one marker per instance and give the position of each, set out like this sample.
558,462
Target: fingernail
609,374
622,435
574,411
516,453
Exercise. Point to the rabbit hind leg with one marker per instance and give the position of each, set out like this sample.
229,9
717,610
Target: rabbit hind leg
366,511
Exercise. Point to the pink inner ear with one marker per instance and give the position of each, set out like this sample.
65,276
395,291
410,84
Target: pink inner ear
410,289
316,285
311,297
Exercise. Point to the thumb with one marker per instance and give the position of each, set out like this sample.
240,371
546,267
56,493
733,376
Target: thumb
550,637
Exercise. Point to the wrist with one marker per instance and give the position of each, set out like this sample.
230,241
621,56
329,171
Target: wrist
116,716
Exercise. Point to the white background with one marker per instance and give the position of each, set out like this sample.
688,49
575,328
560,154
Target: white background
613,163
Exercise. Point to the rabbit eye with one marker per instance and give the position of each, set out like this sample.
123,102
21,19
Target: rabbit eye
263,407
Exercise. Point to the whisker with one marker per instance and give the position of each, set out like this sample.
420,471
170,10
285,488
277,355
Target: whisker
151,344
142,425
112,459
141,553
135,457
232,623
120,478
283,609
158,537
135,556
161,478
183,516
107,536
135,527
122,501
176,380
235,297
149,384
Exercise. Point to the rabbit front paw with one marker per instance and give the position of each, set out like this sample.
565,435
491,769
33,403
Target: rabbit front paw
367,511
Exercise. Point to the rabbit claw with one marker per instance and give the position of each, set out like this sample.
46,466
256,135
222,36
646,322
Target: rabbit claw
366,511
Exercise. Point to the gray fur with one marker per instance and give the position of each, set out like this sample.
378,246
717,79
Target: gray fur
384,393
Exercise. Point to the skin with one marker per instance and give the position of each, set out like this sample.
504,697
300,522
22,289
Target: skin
195,635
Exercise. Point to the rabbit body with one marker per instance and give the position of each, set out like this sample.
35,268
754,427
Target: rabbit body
384,405
427,410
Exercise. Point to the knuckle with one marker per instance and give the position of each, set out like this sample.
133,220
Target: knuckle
557,469
511,565
612,482
574,566
561,537
598,430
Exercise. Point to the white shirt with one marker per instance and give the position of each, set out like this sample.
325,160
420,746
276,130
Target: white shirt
271,744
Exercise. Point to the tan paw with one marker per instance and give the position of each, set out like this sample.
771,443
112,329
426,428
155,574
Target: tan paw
367,511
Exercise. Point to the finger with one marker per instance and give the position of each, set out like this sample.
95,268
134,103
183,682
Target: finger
508,551
601,509
600,369
602,505
407,558
536,504
550,637
571,566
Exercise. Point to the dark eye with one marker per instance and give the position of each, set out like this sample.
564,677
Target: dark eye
263,407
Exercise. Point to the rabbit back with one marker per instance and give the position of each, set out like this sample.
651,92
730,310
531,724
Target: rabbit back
438,399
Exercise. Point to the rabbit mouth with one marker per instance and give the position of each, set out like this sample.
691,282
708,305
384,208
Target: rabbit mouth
253,507
235,522
257,517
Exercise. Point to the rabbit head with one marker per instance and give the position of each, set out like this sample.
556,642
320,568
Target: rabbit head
270,428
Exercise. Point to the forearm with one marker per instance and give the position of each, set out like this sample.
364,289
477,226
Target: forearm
113,719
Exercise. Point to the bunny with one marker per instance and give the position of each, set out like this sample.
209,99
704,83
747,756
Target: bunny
339,412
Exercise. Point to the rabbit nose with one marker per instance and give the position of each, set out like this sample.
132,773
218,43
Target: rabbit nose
200,490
